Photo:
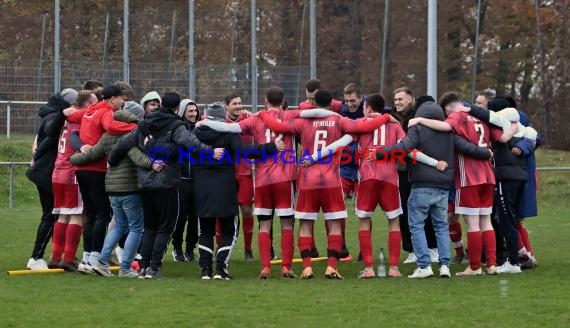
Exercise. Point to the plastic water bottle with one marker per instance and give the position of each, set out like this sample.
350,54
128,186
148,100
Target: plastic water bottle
381,264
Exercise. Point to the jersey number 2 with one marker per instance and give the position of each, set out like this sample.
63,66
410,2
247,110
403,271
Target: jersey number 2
480,128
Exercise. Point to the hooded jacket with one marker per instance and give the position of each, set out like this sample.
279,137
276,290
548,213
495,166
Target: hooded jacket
186,169
436,144
48,130
160,133
122,178
215,183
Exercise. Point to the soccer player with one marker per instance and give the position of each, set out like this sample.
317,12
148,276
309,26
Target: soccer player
67,203
244,179
273,180
319,184
474,181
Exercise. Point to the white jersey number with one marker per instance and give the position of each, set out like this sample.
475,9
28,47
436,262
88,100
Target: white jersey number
320,140
480,128
62,141
382,136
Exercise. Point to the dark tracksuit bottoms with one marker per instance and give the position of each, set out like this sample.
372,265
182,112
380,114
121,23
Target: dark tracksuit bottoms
98,209
207,231
187,214
161,208
508,196
45,228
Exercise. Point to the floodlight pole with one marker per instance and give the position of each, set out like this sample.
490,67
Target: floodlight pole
253,56
432,49
56,55
126,40
313,32
191,68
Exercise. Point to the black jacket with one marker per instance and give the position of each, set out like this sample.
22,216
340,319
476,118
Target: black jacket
508,167
48,129
436,144
214,181
161,136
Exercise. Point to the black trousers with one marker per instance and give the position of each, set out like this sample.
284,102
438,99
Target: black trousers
508,196
45,228
207,231
97,207
187,215
160,208
405,189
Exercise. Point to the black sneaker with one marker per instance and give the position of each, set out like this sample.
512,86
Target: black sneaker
178,256
153,274
248,255
142,273
68,267
207,274
51,264
314,252
189,255
344,253
527,264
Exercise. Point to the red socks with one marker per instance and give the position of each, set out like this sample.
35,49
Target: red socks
523,234
264,244
455,234
287,248
394,241
72,239
247,226
474,244
334,248
58,241
490,242
365,241
305,250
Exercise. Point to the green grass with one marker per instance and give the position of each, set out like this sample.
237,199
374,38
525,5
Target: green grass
534,298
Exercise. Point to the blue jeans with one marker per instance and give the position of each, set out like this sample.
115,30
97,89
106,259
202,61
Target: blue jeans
128,213
421,202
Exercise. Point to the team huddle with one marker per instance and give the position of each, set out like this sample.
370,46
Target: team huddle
423,162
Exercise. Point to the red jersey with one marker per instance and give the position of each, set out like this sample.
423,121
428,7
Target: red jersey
242,168
63,171
385,135
316,134
283,167
471,171
95,121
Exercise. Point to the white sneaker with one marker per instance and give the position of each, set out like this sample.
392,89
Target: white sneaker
85,268
102,269
39,264
411,258
507,267
434,255
420,273
444,272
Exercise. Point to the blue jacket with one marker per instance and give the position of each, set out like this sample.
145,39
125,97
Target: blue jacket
528,206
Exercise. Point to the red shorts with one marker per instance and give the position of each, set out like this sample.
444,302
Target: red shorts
311,201
376,192
278,196
245,189
67,199
349,186
474,200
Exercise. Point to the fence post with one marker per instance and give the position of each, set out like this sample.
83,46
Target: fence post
8,114
11,192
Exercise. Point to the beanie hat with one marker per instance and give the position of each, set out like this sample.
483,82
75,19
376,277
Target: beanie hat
69,95
498,104
422,99
216,112
170,100
183,104
134,108
153,95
